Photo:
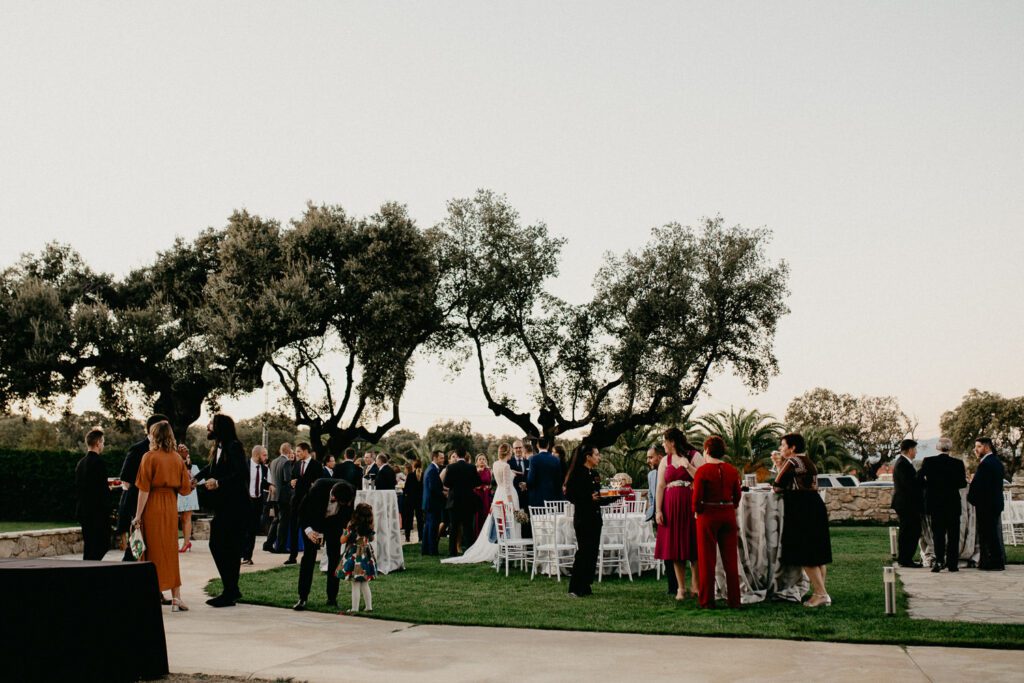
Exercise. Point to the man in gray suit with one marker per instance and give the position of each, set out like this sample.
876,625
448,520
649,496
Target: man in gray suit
280,498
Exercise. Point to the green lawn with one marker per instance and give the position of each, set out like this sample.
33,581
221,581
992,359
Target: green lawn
6,527
430,593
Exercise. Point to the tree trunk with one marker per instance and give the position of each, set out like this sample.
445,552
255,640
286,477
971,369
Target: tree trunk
182,408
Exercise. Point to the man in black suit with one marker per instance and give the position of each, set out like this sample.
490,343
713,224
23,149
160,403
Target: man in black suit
323,514
460,478
93,498
258,488
306,470
986,495
386,479
226,478
129,471
433,503
941,477
348,470
519,463
908,503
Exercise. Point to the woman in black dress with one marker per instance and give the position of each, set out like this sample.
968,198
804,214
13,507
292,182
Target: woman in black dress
583,489
412,499
805,537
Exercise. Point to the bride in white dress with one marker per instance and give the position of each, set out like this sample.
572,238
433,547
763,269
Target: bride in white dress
485,550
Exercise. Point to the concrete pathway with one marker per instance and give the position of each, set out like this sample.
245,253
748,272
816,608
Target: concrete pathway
966,595
271,643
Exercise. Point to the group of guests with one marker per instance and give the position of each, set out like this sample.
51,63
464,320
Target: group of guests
934,490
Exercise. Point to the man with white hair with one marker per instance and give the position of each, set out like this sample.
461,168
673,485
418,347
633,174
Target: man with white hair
259,484
941,477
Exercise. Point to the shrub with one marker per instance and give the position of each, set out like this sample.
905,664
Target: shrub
40,485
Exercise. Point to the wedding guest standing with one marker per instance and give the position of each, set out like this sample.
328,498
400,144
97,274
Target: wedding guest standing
129,471
583,489
655,454
520,466
544,478
716,497
433,503
324,512
258,486
908,503
482,492
93,498
941,477
277,534
805,537
460,478
413,499
677,527
360,565
986,495
305,471
162,476
226,479
187,503
386,478
349,470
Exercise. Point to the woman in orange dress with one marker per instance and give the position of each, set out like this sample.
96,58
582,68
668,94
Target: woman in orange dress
162,476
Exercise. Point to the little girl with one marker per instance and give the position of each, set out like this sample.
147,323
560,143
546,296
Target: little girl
359,565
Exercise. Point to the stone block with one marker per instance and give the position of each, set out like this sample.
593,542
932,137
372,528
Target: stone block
7,548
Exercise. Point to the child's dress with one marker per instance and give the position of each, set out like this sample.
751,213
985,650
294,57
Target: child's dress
359,563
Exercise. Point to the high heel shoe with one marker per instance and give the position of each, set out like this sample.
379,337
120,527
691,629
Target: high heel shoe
185,548
818,601
178,606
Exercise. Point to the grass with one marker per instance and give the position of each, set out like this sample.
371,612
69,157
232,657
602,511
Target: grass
6,527
474,595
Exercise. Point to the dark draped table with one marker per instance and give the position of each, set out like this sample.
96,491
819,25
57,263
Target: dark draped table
80,621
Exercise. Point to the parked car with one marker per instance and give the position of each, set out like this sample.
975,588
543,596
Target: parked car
878,483
837,481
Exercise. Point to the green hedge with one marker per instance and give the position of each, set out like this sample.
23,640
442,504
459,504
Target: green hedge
40,485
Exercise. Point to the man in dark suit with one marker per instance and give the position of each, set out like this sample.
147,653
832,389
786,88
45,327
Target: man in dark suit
226,479
129,471
348,470
259,487
908,503
941,477
386,478
305,472
93,498
323,514
460,478
519,463
433,503
544,479
280,495
986,495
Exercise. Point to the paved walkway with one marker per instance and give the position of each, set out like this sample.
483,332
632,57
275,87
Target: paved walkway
966,595
271,643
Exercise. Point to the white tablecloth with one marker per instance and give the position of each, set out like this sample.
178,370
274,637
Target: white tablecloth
969,550
387,522
637,532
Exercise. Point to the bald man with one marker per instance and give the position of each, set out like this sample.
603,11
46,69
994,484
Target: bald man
259,485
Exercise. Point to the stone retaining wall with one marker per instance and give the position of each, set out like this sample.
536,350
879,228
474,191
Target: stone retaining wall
23,545
861,504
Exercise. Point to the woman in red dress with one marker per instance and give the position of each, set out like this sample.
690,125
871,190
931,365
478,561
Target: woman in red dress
677,527
483,492
716,496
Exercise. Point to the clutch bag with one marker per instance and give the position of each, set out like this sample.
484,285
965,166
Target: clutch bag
137,543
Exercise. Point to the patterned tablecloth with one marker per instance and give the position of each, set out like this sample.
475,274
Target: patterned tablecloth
386,520
762,575
969,551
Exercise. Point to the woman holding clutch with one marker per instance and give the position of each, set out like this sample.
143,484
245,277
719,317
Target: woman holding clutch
677,527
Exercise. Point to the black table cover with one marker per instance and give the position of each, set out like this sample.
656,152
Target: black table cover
80,621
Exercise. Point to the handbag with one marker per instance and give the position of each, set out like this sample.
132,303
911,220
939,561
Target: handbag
137,543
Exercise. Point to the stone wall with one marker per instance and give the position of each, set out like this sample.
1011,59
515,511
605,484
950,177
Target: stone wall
23,545
201,529
860,504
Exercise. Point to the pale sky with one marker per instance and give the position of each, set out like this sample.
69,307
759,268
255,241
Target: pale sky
883,143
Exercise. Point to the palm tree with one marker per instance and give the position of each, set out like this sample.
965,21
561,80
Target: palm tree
828,450
750,436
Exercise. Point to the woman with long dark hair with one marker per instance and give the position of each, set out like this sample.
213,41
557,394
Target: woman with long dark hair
583,489
227,480
805,537
677,527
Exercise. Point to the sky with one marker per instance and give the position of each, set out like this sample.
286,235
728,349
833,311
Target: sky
882,143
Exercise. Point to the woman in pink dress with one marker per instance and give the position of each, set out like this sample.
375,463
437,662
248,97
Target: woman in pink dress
677,526
483,492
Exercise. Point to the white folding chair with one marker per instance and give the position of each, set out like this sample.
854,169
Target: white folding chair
613,546
634,507
1010,519
548,545
509,549
557,507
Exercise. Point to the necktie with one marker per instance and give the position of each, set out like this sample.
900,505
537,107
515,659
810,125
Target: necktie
258,481
302,470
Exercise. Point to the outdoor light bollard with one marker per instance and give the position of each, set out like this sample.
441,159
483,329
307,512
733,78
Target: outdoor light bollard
889,581
894,534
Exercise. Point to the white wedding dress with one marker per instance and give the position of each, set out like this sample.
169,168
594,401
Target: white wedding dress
484,550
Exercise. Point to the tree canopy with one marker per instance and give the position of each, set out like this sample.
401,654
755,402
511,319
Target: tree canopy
986,413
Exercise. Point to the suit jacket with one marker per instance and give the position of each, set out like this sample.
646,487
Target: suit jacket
231,470
652,494
129,471
544,479
386,479
314,471
906,496
433,489
941,477
93,494
460,479
986,490
264,481
278,468
313,509
520,471
350,472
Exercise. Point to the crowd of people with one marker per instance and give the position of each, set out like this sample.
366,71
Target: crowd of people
305,504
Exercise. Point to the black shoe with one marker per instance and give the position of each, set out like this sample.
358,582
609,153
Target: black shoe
300,606
248,562
936,568
290,560
221,601
332,603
